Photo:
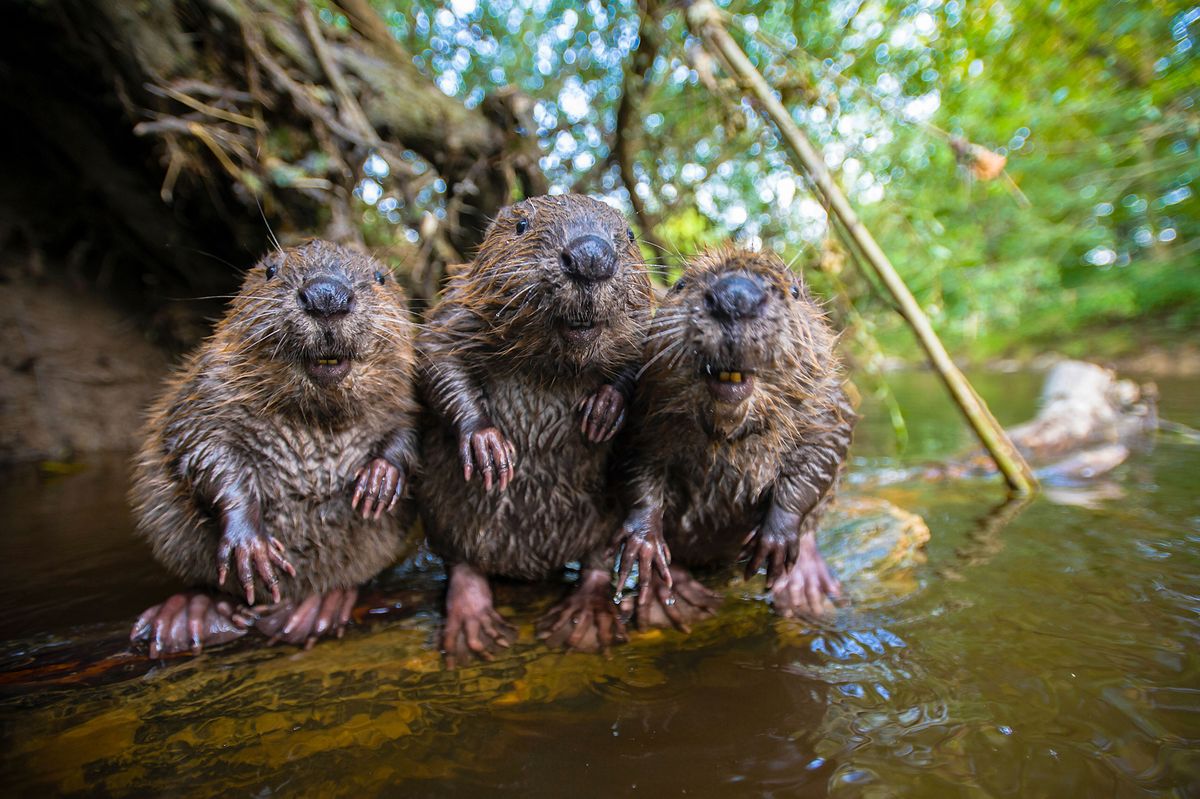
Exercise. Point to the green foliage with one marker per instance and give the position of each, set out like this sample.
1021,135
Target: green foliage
1093,103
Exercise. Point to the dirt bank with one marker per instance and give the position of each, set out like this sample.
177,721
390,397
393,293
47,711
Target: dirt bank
75,373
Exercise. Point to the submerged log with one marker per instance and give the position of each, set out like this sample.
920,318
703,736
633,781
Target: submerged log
85,714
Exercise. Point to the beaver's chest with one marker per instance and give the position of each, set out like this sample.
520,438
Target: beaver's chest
308,466
556,509
541,420
715,498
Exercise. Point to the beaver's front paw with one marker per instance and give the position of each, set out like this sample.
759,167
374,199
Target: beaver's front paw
640,541
188,622
775,546
252,553
486,450
602,413
378,485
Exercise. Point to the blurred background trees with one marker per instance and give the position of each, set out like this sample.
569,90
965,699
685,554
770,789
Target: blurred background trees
1031,168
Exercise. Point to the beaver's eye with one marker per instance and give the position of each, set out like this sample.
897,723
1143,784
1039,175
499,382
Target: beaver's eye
679,284
272,270
795,291
629,232
379,278
522,226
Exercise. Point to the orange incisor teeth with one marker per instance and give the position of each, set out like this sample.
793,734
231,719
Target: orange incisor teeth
735,377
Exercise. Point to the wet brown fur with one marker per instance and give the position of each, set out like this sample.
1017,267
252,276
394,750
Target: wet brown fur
242,413
493,349
715,469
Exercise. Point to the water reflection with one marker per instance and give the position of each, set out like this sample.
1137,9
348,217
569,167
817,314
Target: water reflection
984,540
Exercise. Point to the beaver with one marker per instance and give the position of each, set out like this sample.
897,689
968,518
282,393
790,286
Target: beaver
530,356
283,445
741,431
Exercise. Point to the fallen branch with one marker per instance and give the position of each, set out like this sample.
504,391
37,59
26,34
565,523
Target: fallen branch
300,95
202,107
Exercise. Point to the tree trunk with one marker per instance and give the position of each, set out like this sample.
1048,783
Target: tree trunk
154,141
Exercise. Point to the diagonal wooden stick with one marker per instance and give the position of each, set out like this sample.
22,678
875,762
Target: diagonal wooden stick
704,19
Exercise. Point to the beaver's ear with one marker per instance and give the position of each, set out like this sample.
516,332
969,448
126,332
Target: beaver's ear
505,214
502,220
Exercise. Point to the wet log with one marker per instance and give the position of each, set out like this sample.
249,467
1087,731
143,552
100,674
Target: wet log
85,714
1087,423
871,543
1084,405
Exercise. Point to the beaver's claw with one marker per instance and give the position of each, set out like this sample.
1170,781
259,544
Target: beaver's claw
252,553
602,412
381,483
489,452
679,604
774,546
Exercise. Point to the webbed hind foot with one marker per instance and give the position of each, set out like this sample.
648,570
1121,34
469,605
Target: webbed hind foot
803,589
678,604
588,620
189,622
303,623
473,628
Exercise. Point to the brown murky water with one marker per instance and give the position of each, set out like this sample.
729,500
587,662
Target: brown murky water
1050,650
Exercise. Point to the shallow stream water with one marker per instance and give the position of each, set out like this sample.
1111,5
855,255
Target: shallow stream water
1046,650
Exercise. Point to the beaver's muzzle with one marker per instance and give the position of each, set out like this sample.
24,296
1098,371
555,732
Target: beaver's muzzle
326,298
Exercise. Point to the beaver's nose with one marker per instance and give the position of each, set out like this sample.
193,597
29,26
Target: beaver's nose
326,298
589,259
735,297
